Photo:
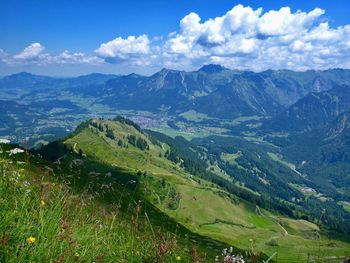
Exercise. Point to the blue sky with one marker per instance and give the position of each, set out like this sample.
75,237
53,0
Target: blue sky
66,37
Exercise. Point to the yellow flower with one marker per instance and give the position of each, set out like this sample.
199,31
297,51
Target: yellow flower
30,240
77,254
42,202
178,258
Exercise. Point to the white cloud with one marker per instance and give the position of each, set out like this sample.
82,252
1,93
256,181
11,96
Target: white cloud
120,49
243,38
34,54
33,51
283,22
75,58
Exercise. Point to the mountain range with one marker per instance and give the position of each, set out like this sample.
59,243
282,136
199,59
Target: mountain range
230,93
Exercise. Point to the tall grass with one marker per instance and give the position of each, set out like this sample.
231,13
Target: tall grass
43,221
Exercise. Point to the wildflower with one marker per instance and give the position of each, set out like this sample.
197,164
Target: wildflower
77,254
5,141
15,151
31,240
42,202
178,258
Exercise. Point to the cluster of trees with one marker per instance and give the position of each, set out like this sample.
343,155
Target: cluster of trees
138,142
104,128
98,126
128,122
174,199
110,134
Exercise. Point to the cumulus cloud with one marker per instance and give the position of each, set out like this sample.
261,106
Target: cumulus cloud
35,54
67,57
120,49
243,38
33,51
250,39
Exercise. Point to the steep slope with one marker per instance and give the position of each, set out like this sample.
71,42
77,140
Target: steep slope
287,86
243,96
185,198
48,214
322,155
312,111
316,140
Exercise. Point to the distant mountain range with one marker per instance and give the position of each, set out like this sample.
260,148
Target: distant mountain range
213,89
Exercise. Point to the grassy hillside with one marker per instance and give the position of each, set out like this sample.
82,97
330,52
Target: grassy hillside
47,217
200,206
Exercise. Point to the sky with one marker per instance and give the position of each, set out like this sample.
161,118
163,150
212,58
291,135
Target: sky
68,38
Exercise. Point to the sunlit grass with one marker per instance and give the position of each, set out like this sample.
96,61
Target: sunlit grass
43,221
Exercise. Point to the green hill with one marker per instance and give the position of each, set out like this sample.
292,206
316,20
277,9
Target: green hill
60,212
199,205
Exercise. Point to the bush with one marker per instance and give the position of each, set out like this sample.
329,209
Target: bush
273,242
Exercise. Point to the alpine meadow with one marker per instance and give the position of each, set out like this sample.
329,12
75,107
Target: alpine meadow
175,131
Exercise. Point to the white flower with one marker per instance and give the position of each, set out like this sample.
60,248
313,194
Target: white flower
5,141
15,151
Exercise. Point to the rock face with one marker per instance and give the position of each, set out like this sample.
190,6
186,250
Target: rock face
341,125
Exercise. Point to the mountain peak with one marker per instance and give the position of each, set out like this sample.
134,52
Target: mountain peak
164,72
212,68
133,75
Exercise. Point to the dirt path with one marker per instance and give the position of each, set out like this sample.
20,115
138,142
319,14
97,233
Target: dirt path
259,213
